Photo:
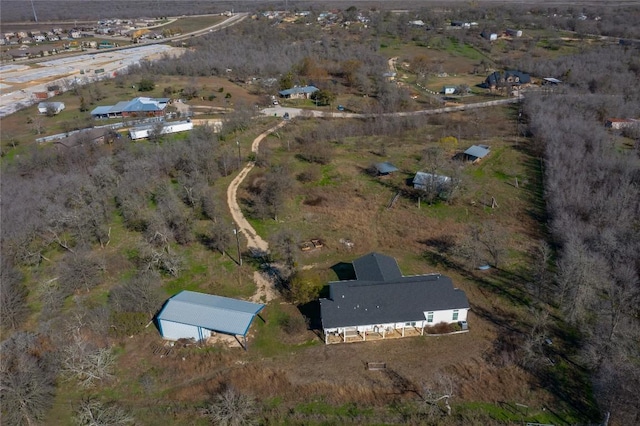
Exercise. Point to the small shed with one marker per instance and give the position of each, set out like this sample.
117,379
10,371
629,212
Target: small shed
476,152
385,168
193,315
513,33
55,107
427,181
449,90
551,81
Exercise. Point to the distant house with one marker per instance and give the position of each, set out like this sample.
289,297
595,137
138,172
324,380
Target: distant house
621,123
428,181
53,107
508,78
192,315
389,75
461,24
475,153
513,33
384,169
137,107
303,92
489,35
449,90
382,303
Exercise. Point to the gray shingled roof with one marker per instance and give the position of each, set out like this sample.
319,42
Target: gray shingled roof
381,295
216,313
376,267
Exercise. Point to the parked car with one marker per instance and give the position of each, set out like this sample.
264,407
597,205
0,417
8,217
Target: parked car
340,108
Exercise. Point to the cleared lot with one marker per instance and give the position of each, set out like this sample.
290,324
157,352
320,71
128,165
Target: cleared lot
18,83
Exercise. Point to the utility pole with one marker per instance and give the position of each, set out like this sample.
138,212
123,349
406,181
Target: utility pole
236,232
239,157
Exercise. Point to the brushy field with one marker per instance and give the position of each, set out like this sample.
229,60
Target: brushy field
288,369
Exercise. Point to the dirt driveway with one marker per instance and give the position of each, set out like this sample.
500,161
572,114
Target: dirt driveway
265,290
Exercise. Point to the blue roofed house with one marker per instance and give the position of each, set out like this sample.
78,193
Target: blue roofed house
475,153
382,303
137,107
192,315
298,92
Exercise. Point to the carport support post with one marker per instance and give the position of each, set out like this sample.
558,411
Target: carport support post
237,234
245,342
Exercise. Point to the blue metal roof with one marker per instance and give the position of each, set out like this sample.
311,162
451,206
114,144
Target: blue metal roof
139,104
385,168
217,313
101,110
296,90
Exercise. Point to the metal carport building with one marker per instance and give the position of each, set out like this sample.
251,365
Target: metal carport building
189,314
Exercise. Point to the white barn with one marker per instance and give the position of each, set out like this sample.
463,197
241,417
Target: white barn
192,315
381,302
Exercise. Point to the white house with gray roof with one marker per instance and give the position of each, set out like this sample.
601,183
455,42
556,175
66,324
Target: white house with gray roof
382,302
192,315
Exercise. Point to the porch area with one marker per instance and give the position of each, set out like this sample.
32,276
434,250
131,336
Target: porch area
352,336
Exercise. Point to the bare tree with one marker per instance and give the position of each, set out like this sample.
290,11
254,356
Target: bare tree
278,183
231,408
138,294
26,379
80,271
437,396
92,412
13,296
85,363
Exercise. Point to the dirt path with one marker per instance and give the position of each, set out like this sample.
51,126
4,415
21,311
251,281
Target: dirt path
265,290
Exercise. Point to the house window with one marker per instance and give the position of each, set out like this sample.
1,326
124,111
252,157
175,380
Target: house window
455,315
410,324
429,316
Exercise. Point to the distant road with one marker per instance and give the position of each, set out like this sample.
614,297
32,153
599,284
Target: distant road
66,70
279,111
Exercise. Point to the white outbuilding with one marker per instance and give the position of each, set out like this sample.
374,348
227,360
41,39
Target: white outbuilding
193,315
50,107
144,131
